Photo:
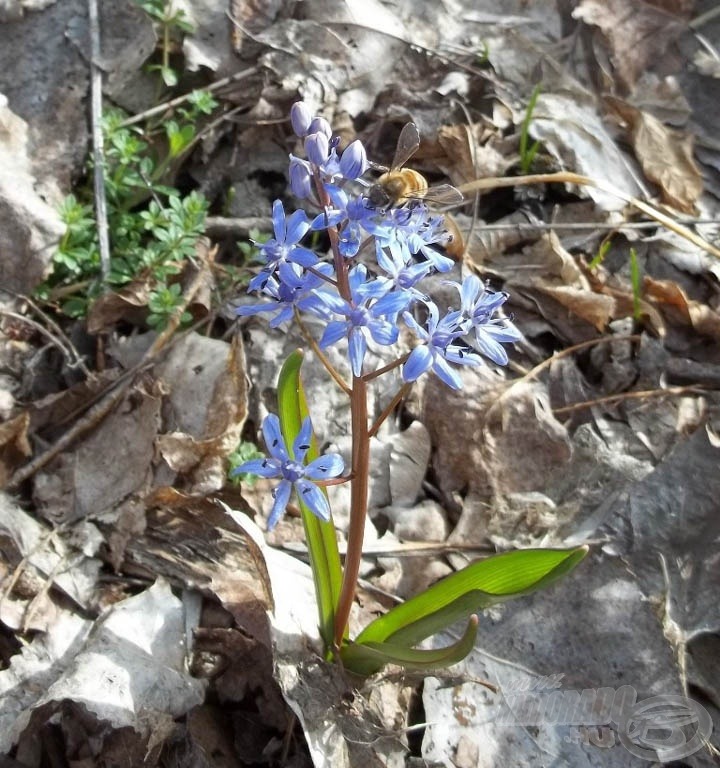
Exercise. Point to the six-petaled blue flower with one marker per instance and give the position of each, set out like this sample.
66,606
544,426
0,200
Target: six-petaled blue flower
292,470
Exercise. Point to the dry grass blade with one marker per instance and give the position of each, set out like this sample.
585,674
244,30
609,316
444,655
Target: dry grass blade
564,177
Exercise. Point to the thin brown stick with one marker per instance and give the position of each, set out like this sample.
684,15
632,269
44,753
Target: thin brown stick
176,102
566,177
693,389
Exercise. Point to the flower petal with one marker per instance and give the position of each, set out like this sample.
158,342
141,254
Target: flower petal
301,444
282,496
418,363
274,440
260,467
446,373
278,217
357,346
328,465
315,499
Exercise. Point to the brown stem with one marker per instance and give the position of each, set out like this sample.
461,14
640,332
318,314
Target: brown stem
358,504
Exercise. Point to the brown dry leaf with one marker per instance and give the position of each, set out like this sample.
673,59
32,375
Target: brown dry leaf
113,462
14,445
673,300
58,409
129,303
468,159
595,308
666,156
224,559
205,458
638,33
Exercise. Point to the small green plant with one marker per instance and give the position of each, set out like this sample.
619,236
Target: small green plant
163,303
245,451
599,257
170,21
153,228
527,150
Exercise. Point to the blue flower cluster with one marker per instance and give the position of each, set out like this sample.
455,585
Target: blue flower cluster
379,293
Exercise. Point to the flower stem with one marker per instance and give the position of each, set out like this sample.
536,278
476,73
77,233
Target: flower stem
358,504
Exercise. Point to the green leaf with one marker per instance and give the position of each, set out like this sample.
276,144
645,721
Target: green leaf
367,658
479,585
320,536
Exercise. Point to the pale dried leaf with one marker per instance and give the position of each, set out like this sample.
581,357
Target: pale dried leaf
638,34
666,157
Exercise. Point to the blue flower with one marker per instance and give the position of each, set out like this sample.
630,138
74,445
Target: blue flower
353,162
296,289
477,307
364,318
349,215
293,471
300,177
300,118
401,272
440,347
283,249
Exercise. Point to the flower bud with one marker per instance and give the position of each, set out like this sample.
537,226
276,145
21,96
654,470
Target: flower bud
320,125
353,162
317,148
300,178
300,118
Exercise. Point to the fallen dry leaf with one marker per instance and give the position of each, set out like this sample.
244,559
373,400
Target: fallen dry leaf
14,445
666,156
671,299
204,458
638,33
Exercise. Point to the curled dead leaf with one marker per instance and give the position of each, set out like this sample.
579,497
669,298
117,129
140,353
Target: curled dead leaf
666,156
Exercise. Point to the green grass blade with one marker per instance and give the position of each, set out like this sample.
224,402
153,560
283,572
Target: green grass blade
479,585
527,152
368,658
636,279
319,535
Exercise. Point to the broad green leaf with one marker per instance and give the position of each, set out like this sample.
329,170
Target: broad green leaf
368,658
479,585
319,535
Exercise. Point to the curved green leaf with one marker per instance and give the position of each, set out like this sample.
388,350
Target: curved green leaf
319,535
479,585
368,658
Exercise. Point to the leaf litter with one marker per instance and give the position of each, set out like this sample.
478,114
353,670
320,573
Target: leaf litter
146,620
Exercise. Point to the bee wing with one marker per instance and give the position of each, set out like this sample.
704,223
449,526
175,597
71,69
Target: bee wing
407,145
444,194
378,167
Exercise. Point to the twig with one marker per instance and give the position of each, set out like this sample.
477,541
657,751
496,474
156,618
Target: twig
566,177
160,108
67,354
586,225
97,139
646,393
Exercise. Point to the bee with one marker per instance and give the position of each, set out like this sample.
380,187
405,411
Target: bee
399,186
